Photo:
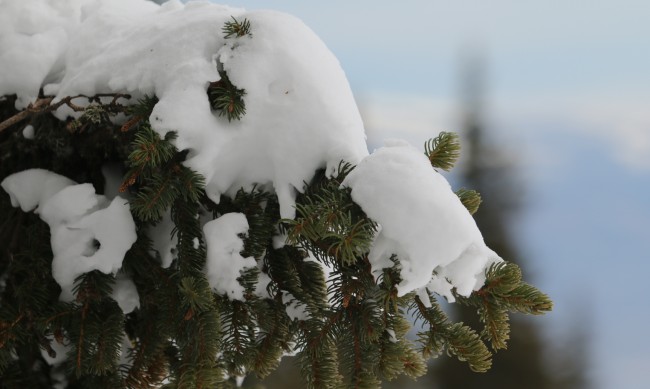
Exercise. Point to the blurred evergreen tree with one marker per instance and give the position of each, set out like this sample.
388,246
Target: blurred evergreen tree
488,171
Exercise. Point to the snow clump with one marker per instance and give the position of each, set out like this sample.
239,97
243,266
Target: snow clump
421,220
225,263
87,231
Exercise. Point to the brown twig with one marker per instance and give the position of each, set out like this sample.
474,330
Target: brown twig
43,105
29,111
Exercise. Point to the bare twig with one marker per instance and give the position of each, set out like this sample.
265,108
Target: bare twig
43,105
29,111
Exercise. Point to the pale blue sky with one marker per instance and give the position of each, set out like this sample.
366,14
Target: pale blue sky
567,92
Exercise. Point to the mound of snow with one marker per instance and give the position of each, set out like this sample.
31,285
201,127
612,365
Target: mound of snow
87,231
301,115
421,220
225,263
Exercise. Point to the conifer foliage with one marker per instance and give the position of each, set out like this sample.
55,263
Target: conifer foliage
313,292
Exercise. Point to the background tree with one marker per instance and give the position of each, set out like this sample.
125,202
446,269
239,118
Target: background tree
484,168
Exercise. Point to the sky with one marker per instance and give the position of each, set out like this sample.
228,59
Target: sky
567,96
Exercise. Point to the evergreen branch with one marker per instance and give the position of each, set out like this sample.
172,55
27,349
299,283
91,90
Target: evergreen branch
226,98
238,336
236,28
149,150
526,299
501,278
505,287
188,229
443,151
497,327
78,366
471,199
140,111
504,291
456,338
304,280
5,329
275,333
194,294
155,198
318,356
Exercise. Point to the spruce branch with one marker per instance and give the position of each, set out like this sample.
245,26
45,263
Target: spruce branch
236,29
226,98
139,111
443,151
274,335
504,291
471,199
504,284
318,357
456,338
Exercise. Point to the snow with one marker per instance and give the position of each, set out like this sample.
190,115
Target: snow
225,263
125,293
28,132
28,193
263,281
33,40
294,308
391,333
61,351
300,117
87,231
298,100
421,220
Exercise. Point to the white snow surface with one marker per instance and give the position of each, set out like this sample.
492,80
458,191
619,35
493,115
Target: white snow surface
88,232
294,308
28,132
421,220
300,112
125,293
225,263
61,351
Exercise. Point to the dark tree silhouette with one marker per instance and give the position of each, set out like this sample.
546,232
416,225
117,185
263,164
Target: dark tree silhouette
524,364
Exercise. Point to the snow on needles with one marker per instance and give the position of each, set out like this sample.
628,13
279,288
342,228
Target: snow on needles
87,231
421,220
225,263
300,112
300,117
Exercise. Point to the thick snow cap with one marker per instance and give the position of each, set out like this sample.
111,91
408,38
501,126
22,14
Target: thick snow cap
300,112
300,117
421,220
